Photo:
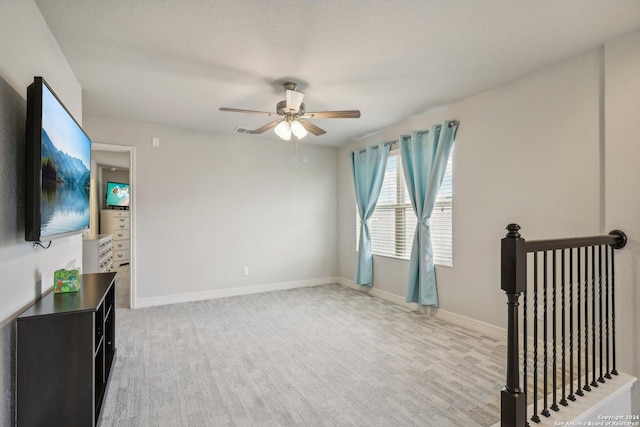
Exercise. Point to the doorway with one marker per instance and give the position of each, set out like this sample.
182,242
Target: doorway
115,165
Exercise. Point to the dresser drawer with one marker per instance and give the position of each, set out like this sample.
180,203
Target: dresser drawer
121,224
106,251
120,235
105,241
121,214
105,265
121,256
121,245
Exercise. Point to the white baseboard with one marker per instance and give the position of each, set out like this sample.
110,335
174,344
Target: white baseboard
388,296
230,292
475,325
458,319
484,328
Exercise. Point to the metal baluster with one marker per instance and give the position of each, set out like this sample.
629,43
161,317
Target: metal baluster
601,378
571,397
554,405
545,410
613,312
586,320
606,266
563,400
593,317
578,329
525,356
535,416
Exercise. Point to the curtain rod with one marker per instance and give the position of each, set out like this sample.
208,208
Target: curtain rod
396,141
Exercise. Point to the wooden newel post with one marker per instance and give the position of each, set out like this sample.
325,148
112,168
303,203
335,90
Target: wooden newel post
513,278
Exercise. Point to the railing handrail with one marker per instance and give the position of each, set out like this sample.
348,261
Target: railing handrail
617,239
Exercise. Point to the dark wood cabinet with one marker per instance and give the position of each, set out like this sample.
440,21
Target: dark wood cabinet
65,350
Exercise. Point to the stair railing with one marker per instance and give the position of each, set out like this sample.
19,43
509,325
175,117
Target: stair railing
576,276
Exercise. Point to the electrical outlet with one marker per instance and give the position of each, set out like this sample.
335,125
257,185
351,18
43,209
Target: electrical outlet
245,271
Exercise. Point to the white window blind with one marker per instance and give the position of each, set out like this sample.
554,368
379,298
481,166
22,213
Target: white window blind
393,222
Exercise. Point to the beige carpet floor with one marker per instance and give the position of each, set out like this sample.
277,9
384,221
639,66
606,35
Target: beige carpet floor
123,286
318,356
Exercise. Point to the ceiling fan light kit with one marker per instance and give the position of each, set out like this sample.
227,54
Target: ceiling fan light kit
298,129
295,113
283,130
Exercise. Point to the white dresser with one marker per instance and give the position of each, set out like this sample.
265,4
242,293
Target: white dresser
118,223
97,254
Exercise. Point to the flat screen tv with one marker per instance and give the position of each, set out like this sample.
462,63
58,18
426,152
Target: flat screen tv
58,168
117,195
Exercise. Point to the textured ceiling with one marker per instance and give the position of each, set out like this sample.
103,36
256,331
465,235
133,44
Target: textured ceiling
176,62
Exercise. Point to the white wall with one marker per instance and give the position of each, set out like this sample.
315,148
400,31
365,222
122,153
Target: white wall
525,152
622,117
209,204
27,49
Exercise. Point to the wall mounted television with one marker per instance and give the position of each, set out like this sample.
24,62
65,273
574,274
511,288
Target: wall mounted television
117,195
58,168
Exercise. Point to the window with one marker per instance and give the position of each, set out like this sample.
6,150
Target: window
393,222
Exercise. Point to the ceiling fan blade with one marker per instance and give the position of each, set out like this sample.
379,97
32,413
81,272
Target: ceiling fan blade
266,127
346,114
312,128
237,110
294,99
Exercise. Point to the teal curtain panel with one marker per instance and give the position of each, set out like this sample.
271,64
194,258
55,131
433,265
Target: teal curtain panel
368,167
424,161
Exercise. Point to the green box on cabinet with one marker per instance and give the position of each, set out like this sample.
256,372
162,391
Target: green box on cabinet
66,280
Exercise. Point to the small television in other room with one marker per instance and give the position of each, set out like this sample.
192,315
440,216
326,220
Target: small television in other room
58,168
117,195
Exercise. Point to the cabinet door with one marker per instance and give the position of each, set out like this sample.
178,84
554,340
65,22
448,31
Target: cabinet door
55,378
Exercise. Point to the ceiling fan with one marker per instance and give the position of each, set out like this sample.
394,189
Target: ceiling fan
293,116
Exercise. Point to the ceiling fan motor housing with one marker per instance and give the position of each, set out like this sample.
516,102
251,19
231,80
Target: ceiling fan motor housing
281,108
290,86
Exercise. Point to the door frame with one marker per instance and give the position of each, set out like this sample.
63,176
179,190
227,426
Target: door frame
132,209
